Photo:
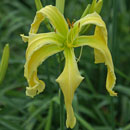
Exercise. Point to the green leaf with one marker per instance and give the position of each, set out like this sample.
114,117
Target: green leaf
122,74
37,112
102,128
88,112
127,127
49,117
123,89
9,125
101,116
84,123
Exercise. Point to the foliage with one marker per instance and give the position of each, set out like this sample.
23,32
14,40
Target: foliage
95,109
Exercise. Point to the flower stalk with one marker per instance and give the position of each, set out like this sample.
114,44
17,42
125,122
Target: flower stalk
114,47
60,4
38,4
61,110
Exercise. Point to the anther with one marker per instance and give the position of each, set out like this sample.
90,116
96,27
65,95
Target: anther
68,21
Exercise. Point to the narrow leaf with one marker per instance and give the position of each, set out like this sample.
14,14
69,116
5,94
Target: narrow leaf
84,123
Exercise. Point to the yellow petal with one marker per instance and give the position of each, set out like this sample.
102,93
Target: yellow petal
37,40
102,55
24,38
40,47
99,42
69,80
36,86
55,18
93,18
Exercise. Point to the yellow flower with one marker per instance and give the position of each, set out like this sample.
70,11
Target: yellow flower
43,45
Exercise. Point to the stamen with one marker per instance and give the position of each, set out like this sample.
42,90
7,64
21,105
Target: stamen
81,50
68,21
79,25
55,30
72,24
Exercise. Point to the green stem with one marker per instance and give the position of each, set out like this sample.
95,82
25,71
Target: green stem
114,22
61,110
60,5
114,48
61,97
38,4
112,113
49,118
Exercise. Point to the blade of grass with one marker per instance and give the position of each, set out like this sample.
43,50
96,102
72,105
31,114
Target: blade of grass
122,74
114,32
10,103
84,123
76,110
102,128
127,127
123,89
101,116
114,52
39,110
49,117
9,125
124,109
87,112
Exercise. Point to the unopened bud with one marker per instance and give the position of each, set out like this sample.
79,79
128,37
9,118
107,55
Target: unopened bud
4,62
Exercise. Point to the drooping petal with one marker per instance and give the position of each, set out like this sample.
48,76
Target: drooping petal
102,55
69,80
99,42
40,47
38,56
55,18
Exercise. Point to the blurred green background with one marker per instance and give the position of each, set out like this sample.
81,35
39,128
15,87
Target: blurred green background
94,108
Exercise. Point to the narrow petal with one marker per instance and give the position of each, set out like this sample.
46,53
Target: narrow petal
69,80
55,18
102,55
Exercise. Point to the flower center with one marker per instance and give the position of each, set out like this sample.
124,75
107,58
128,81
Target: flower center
68,43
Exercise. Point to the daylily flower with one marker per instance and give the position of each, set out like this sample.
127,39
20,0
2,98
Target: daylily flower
43,45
